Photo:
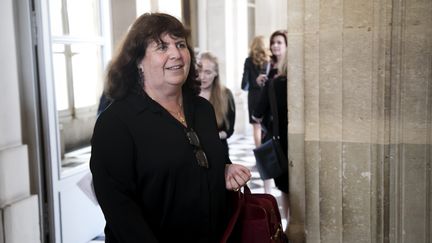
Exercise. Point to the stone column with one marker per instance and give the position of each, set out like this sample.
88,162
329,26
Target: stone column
409,155
359,105
296,122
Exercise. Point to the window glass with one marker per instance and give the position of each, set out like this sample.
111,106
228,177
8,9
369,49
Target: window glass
80,44
86,73
75,17
83,17
60,76
56,17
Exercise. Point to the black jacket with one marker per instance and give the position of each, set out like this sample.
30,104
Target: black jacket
263,110
250,73
146,177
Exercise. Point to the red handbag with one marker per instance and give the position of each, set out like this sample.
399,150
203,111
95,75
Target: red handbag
256,219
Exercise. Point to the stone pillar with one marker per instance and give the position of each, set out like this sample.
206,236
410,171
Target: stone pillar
215,38
296,122
359,105
410,122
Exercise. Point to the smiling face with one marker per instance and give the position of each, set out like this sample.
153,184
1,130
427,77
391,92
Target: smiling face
166,63
207,73
278,46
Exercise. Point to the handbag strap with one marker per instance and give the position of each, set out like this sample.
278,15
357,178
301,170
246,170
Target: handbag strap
240,200
236,213
273,107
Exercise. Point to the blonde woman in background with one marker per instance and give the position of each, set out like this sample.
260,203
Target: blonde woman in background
256,68
219,96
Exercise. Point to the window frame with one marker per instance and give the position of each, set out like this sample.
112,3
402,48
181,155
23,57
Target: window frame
103,41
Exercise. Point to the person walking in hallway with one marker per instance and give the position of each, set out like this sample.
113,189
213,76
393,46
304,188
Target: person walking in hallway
219,96
160,171
255,64
255,71
263,114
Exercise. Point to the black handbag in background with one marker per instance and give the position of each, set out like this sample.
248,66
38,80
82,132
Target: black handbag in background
271,161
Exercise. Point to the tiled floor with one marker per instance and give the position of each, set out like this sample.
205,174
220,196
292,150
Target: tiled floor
241,152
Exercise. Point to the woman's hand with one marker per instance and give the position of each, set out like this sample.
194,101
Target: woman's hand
261,79
259,120
236,176
223,135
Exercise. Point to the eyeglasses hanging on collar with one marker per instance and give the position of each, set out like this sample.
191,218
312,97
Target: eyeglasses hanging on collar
199,152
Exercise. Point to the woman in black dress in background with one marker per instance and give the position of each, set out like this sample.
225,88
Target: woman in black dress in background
263,114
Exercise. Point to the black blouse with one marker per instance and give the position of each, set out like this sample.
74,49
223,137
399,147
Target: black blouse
147,179
263,110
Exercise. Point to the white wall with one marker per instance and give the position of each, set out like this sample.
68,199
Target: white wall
122,16
222,29
270,16
20,221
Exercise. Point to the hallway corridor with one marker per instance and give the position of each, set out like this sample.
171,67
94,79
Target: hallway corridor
241,152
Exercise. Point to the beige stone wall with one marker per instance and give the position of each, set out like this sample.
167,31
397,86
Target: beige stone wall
359,100
410,123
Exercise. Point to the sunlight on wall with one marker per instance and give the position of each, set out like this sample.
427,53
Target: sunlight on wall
230,44
236,41
143,6
172,7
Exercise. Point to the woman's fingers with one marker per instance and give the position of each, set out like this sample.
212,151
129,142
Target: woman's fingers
232,184
237,176
241,177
